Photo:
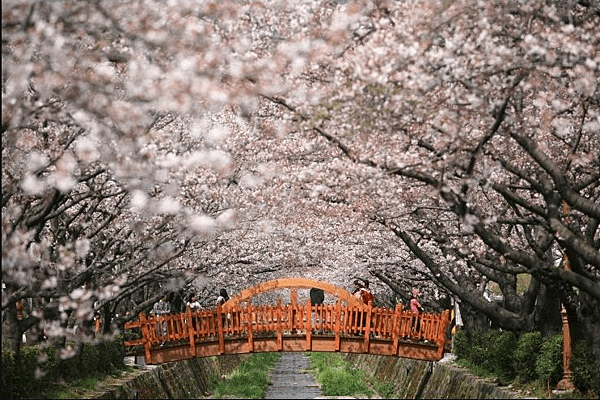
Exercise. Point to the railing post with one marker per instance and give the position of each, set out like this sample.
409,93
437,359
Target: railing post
308,326
278,315
396,328
191,331
338,325
220,330
293,309
146,336
367,323
250,332
444,320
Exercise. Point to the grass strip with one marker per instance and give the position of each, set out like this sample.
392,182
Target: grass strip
249,380
337,377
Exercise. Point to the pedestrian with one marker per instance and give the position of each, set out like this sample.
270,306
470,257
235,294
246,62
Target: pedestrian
365,293
416,309
162,308
193,303
317,296
358,318
367,298
222,299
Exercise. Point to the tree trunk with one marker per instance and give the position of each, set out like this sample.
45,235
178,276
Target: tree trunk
548,318
11,332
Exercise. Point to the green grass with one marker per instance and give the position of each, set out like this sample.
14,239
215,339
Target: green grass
249,380
337,377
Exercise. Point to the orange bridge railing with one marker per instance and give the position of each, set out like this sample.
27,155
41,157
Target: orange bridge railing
237,329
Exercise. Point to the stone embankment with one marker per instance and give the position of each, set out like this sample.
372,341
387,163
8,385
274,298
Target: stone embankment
411,379
177,380
414,379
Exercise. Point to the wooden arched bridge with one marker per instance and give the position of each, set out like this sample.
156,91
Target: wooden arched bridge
241,327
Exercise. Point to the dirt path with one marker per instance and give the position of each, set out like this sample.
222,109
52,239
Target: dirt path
290,379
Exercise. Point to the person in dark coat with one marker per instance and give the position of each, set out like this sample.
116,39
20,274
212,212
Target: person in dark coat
317,296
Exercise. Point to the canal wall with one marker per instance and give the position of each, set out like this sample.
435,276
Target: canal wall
187,379
412,379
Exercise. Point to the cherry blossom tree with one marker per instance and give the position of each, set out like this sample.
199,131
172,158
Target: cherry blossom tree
483,122
153,146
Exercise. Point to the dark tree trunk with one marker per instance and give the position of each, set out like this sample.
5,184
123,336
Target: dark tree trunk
12,332
473,321
548,318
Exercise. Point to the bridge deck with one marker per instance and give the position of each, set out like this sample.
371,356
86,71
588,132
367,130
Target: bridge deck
327,328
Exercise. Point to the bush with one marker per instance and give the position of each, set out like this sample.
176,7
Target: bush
503,348
586,374
38,368
89,359
10,375
32,372
525,355
70,368
548,365
461,345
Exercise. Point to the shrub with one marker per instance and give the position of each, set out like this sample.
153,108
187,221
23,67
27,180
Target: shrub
70,368
484,351
586,374
38,368
548,365
503,348
525,355
89,359
10,375
461,345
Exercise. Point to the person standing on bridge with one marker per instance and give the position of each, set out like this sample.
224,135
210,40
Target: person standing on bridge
416,309
194,304
317,296
162,307
222,299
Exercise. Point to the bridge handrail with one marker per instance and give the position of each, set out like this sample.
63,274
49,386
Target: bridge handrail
284,320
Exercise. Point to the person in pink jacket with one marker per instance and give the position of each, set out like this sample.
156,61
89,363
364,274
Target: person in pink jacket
416,308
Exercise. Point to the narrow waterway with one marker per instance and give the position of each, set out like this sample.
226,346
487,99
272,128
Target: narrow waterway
291,380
